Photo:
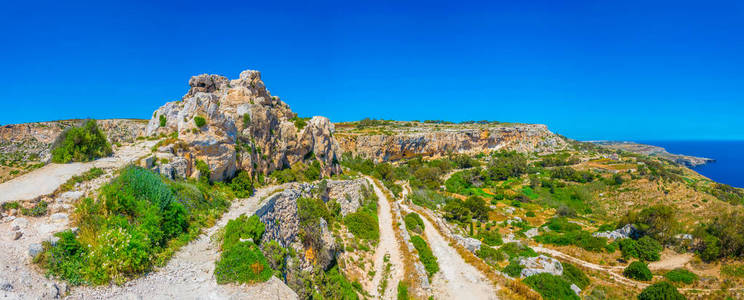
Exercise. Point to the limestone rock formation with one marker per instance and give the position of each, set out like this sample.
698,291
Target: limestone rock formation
540,264
403,140
245,128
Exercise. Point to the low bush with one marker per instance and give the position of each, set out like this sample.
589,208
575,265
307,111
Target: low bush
661,291
363,225
242,185
490,255
84,143
574,275
333,285
645,248
244,228
91,174
425,255
490,237
681,275
162,120
514,250
513,269
414,223
38,210
639,271
551,287
403,291
200,121
242,262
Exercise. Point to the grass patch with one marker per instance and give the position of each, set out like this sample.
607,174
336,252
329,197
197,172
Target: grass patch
551,287
681,275
425,255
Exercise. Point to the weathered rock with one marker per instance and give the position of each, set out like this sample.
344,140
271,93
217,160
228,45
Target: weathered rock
532,232
246,128
59,217
469,243
71,196
175,169
34,249
348,193
628,231
14,235
540,264
438,140
576,289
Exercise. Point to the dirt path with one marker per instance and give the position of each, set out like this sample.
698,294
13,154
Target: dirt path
47,179
189,274
456,278
387,247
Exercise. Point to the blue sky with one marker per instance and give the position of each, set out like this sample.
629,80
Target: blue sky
630,70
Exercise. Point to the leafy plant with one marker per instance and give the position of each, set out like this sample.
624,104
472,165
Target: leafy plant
242,262
414,223
425,255
681,275
574,275
551,287
199,121
242,184
363,225
513,269
243,228
661,291
639,271
163,120
83,143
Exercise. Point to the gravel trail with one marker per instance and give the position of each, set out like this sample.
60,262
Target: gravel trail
47,179
388,245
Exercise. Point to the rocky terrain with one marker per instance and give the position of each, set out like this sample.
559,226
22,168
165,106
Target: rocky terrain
245,128
399,140
686,160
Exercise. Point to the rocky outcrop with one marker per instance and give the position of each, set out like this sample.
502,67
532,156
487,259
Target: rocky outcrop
245,128
33,141
540,264
401,141
628,231
280,215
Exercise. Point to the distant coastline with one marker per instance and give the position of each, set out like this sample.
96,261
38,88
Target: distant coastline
658,151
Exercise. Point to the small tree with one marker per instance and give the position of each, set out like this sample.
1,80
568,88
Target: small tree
661,291
200,121
638,271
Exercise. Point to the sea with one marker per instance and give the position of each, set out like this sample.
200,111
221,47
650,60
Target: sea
729,155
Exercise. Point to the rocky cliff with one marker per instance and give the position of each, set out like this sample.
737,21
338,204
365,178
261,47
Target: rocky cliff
245,128
397,140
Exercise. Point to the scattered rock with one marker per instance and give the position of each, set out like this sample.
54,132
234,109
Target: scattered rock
576,289
59,218
540,264
34,249
14,235
469,243
20,222
533,232
71,196
628,231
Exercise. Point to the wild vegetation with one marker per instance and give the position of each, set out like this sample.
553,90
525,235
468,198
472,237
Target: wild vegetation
83,143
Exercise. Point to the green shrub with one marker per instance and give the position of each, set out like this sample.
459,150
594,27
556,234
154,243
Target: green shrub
403,291
200,121
551,287
363,225
414,223
275,254
639,271
574,275
333,285
425,255
242,184
530,214
490,237
246,120
84,143
10,205
204,172
300,123
681,275
645,248
661,291
490,255
38,210
513,269
514,250
243,227
163,120
242,262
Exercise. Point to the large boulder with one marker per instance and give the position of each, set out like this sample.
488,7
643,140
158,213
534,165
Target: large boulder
627,231
245,128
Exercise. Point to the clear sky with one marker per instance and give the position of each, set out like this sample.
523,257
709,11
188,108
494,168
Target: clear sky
629,70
